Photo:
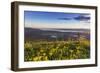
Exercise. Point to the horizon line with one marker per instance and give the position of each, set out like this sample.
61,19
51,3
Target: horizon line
56,28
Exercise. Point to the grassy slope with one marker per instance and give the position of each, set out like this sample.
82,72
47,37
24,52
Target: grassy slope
57,50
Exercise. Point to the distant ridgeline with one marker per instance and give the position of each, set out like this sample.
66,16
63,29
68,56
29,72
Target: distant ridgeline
55,34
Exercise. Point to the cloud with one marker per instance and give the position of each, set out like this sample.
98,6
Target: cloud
64,18
82,18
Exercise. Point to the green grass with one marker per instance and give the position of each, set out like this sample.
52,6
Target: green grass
56,50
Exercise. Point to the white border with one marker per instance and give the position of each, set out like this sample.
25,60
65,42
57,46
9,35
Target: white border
23,64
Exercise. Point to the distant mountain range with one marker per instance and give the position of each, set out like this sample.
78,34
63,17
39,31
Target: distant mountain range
65,30
55,34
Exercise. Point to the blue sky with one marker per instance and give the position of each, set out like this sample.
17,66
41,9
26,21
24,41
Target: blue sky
37,19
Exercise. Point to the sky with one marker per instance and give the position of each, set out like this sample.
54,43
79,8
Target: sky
38,19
